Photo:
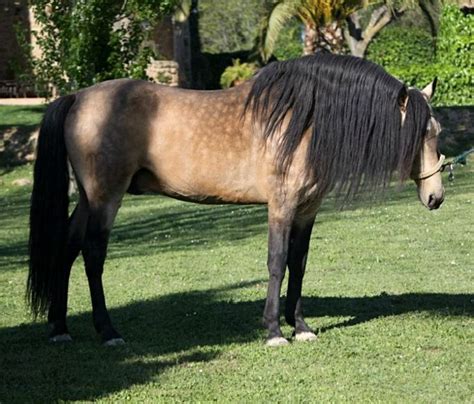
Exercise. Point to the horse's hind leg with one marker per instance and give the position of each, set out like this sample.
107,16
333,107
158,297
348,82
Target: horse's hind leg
297,256
99,225
58,308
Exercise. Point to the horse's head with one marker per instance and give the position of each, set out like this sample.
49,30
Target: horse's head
426,170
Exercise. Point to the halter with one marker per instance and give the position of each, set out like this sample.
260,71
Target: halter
439,166
432,171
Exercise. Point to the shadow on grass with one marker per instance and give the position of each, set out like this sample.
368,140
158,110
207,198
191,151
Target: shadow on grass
171,331
164,228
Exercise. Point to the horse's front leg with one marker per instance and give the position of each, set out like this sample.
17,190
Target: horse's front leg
279,228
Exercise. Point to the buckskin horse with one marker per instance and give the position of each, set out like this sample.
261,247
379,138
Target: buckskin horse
295,132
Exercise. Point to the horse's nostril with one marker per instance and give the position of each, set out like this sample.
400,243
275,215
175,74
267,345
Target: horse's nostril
434,202
431,200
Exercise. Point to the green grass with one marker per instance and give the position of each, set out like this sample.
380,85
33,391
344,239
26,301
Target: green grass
27,115
389,286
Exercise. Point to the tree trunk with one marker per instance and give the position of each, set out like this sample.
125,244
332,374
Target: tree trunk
187,44
310,39
328,37
196,49
331,38
182,46
358,39
432,11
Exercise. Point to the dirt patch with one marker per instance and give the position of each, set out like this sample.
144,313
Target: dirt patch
17,145
22,182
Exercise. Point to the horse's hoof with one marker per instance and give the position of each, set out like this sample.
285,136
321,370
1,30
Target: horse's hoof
60,338
114,342
276,341
305,336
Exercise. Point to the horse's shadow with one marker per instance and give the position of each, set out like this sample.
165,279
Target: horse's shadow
172,330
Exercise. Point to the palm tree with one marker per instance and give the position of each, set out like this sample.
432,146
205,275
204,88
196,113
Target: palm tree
322,20
332,23
382,13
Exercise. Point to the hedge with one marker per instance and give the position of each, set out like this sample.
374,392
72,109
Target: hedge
405,56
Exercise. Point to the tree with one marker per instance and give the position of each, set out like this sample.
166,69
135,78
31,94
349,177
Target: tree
432,11
335,25
358,37
86,41
229,26
321,19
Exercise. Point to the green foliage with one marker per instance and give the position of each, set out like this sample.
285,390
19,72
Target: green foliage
454,85
401,46
87,41
406,54
455,45
237,73
229,26
289,44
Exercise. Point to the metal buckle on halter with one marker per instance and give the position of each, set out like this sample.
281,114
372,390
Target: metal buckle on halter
428,173
450,167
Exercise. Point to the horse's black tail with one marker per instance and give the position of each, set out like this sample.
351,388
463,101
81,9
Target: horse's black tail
49,208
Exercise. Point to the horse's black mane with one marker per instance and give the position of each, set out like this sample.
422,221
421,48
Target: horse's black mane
353,109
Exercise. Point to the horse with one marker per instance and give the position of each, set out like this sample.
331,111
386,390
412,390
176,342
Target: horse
298,130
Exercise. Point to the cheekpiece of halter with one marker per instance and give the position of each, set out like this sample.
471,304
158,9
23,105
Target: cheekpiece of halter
432,171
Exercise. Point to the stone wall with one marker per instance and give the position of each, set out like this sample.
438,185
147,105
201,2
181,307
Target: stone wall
163,72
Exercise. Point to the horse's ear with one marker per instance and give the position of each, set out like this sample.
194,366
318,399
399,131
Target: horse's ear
403,99
429,90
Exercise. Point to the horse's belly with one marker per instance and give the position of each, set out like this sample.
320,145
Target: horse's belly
209,189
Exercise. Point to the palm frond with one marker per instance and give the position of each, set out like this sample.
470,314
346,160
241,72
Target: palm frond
279,16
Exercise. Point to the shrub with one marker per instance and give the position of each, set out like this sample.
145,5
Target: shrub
237,73
405,54
454,85
289,44
84,42
397,46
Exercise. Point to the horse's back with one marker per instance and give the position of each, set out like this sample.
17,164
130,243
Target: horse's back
193,145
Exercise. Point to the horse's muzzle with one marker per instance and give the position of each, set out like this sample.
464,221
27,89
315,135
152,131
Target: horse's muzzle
434,201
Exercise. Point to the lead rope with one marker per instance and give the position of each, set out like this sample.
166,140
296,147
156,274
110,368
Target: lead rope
460,159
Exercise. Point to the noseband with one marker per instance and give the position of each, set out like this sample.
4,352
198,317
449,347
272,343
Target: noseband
439,166
432,171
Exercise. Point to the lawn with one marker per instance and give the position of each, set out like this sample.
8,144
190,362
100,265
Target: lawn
389,287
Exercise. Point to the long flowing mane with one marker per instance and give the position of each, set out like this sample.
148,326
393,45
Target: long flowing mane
352,107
